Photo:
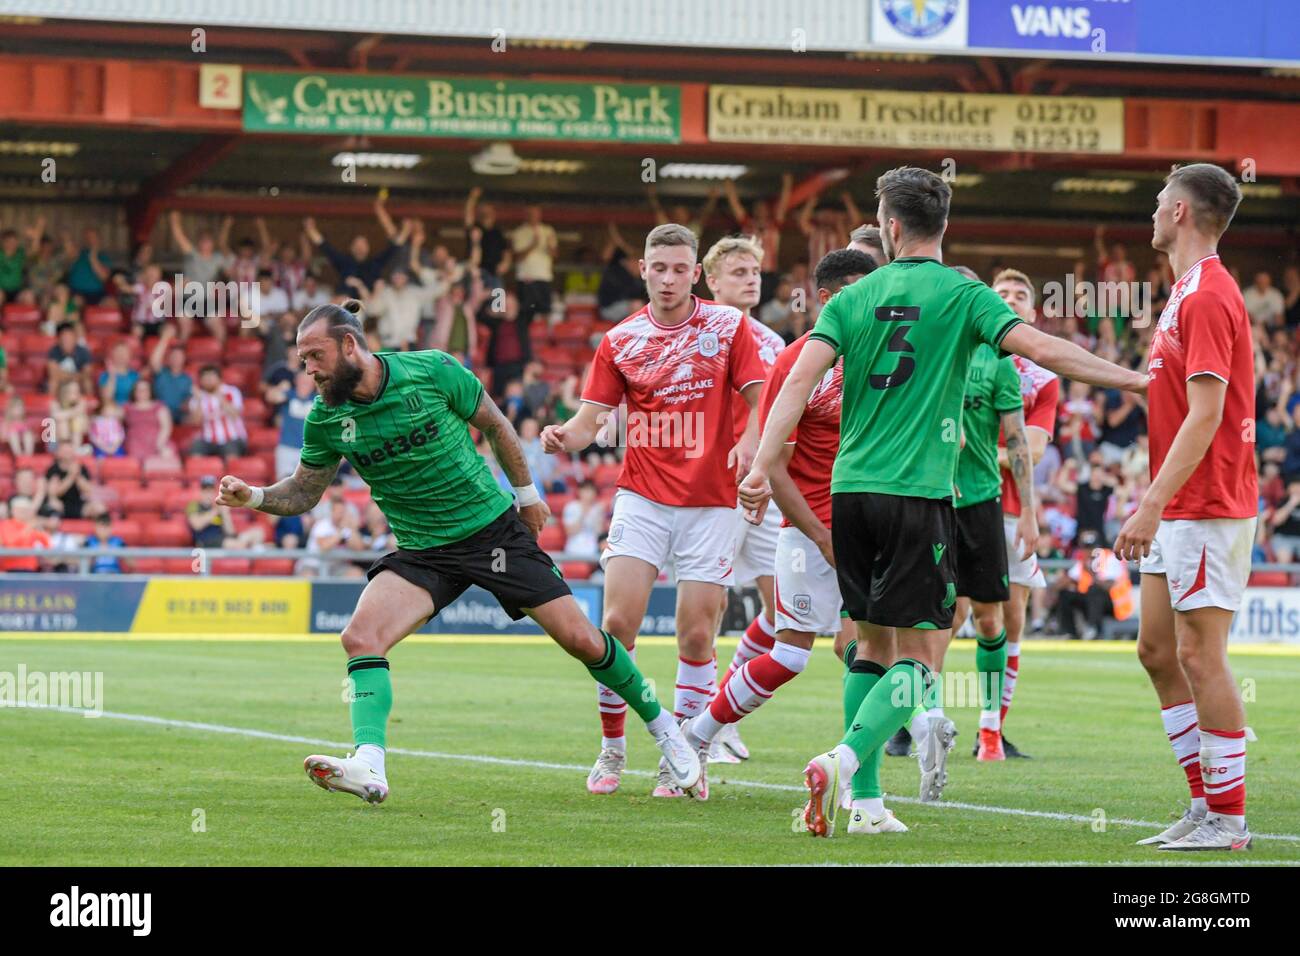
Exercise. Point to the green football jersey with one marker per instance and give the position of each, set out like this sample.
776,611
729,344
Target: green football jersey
907,333
411,445
992,390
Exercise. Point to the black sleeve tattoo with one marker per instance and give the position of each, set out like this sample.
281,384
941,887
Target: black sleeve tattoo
1018,457
496,428
299,492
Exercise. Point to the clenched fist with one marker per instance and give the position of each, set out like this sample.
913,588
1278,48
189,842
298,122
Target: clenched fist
233,492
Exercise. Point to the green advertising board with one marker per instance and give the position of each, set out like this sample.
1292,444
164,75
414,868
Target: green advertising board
458,107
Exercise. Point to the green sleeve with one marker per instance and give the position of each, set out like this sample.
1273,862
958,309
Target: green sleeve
992,318
1006,388
829,327
316,449
463,390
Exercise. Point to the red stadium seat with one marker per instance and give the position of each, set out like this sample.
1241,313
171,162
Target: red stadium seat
26,375
576,570
580,312
263,438
231,566
202,351
147,566
1268,579
552,538
278,566
196,466
253,470
556,502
256,411
179,565
606,476
571,333
246,378
35,344
142,504
102,318
130,531
168,534
244,351
82,526
39,463
156,468
168,489
18,316
120,469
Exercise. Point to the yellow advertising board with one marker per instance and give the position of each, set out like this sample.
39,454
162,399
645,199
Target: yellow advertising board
892,119
224,605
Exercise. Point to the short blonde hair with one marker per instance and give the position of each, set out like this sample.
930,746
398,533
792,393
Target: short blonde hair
731,245
1015,275
671,234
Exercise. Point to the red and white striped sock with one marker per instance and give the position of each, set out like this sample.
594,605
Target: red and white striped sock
613,715
750,686
1223,769
757,639
696,684
1009,678
1185,737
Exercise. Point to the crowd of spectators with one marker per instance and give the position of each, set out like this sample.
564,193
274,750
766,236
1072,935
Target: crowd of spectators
118,414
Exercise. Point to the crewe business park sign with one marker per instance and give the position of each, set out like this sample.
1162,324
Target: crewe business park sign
328,103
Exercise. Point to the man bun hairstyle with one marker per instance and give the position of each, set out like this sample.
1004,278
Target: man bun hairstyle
342,320
917,198
1214,195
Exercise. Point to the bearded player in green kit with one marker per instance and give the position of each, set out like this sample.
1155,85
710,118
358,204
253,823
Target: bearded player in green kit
402,419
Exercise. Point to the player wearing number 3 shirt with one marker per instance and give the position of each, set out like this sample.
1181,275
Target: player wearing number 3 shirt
1195,527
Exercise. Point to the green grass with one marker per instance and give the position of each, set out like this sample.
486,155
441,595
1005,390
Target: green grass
113,792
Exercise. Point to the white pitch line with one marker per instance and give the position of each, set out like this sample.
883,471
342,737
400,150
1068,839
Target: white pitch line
544,765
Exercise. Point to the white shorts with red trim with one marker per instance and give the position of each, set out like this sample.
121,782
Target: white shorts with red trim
1206,562
1020,570
807,591
756,546
699,543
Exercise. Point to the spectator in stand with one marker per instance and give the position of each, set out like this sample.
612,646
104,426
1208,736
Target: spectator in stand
505,354
570,397
455,330
4,371
513,404
70,415
218,408
287,262
542,466
585,519
107,435
1123,417
826,225
765,227
277,381
803,299
375,533
271,302
1270,435
15,433
19,530
777,313
534,245
1094,496
243,265
172,385
357,261
147,297
1284,524
537,391
46,265
90,270
622,290
310,294
1097,573
396,304
339,530
1264,303
28,485
293,415
212,526
1291,297
148,424
60,308
681,213
69,489
288,531
103,537
118,379
1291,461
496,256
278,338
13,263
203,261
1113,266
68,360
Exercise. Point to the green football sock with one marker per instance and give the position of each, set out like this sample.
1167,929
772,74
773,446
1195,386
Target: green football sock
860,678
372,699
887,706
617,671
991,662
933,696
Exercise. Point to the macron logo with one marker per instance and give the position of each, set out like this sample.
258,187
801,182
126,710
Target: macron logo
103,909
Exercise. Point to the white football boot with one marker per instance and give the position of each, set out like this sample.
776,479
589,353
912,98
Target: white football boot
933,757
350,775
1185,825
607,773
680,769
860,822
1213,834
733,749
826,785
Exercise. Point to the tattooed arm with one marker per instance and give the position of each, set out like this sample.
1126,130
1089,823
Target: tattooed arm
496,428
1021,467
291,496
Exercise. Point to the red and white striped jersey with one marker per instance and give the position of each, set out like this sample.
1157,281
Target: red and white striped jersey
219,426
677,382
1041,390
770,345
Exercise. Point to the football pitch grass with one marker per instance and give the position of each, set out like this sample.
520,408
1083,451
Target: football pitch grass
197,760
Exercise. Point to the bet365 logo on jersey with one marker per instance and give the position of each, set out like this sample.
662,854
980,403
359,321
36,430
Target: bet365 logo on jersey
395,447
